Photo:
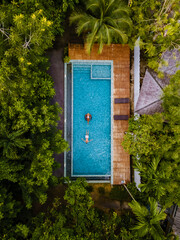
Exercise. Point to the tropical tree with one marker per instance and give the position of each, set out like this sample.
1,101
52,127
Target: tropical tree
156,141
103,22
148,219
171,103
28,128
78,219
156,22
28,133
154,178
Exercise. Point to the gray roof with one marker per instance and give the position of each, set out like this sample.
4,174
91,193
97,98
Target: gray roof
173,58
149,101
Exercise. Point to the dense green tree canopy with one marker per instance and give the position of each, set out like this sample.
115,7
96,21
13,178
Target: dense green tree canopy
148,219
156,141
28,122
28,126
156,23
79,219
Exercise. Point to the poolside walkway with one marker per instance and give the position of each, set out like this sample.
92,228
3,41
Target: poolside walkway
120,54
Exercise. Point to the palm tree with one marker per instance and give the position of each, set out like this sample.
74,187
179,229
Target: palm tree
103,22
154,177
148,219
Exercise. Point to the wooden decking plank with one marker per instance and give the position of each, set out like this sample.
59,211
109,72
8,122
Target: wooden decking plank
121,100
121,117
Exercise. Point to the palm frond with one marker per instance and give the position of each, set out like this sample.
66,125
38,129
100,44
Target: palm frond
75,17
92,5
110,22
100,43
94,8
120,35
108,35
154,164
142,229
109,6
104,22
148,219
153,206
157,232
83,27
121,10
138,210
124,23
90,41
138,165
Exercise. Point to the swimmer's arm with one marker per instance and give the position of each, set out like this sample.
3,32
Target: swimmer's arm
90,140
83,140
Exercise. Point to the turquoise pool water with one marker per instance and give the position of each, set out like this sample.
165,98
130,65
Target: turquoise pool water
91,95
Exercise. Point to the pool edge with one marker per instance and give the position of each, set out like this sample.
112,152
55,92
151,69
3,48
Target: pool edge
65,118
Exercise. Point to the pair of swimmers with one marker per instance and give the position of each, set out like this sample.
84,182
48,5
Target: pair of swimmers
88,118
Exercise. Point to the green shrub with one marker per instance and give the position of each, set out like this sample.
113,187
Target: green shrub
139,196
120,193
101,190
66,51
67,59
89,188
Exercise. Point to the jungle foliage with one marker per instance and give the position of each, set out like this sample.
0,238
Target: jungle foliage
154,141
148,219
28,122
29,136
78,219
157,24
72,219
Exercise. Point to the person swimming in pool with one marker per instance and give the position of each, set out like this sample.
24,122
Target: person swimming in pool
87,138
88,117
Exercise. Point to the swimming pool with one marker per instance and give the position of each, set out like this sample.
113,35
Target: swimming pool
91,93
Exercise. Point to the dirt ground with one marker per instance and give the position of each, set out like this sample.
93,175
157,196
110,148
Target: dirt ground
56,71
103,201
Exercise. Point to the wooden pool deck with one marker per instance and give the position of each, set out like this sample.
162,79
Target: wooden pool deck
120,54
